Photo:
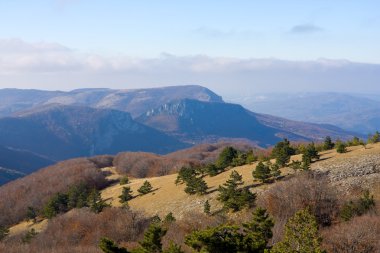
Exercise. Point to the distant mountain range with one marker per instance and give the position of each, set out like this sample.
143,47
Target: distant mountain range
38,128
353,112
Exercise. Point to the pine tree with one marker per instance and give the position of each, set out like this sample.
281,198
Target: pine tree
232,197
95,201
328,144
109,246
169,218
152,239
126,194
145,188
226,157
260,223
207,208
374,138
310,153
301,235
341,147
262,172
196,185
275,171
124,180
173,248
282,152
29,236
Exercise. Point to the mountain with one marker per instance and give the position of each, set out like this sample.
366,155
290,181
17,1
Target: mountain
134,101
353,112
196,122
60,132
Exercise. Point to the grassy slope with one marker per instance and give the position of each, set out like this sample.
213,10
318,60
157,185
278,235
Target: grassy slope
167,197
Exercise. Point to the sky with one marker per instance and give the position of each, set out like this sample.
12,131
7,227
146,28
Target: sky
233,47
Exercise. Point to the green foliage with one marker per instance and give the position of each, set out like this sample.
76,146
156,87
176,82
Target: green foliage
124,180
328,144
375,138
77,196
57,204
282,152
301,235
31,214
152,239
226,157
213,170
262,172
295,165
29,236
185,174
310,153
355,142
95,201
196,185
232,197
109,246
126,194
239,160
341,147
173,248
145,188
251,157
357,208
207,208
169,218
275,171
3,232
252,237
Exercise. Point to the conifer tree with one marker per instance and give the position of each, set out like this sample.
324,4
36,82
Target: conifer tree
173,248
232,197
226,157
169,218
301,235
126,194
196,185
262,172
3,232
95,201
328,144
260,223
341,147
282,152
109,246
124,180
31,214
145,188
207,208
152,239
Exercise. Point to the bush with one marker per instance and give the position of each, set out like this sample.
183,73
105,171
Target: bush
262,172
341,147
357,208
282,152
124,180
126,195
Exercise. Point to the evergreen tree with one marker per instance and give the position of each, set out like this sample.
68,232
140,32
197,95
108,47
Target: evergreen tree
57,204
31,214
226,157
124,180
296,165
328,144
77,196
212,170
207,208
260,224
275,171
152,239
262,172
95,201
310,153
341,147
232,197
301,235
169,218
145,188
196,185
3,232
374,138
282,152
126,194
185,174
109,246
250,157
173,248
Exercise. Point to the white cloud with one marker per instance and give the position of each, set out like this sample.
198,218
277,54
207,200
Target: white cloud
53,66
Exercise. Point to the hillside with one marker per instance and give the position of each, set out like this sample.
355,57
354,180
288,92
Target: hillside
195,122
363,173
61,132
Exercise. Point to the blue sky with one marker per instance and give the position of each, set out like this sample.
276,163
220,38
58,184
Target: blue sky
105,32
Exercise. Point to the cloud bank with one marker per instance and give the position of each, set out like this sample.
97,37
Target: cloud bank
53,66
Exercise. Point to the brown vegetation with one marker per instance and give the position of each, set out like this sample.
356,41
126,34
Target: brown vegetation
36,189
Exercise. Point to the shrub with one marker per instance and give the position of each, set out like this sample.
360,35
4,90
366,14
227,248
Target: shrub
124,180
328,144
126,195
341,147
282,152
262,172
357,208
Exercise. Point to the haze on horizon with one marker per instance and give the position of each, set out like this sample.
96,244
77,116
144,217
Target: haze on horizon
232,47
